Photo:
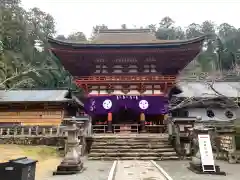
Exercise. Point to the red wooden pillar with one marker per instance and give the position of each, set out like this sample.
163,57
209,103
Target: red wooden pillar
109,123
142,122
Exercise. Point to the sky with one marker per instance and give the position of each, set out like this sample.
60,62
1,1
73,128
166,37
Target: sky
82,15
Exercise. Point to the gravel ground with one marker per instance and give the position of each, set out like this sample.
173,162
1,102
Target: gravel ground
94,170
178,171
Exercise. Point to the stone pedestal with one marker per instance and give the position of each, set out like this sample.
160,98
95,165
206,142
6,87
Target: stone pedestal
71,164
197,168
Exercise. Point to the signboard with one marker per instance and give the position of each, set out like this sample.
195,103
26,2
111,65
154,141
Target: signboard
205,148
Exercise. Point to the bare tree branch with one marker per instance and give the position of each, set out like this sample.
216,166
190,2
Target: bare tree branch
203,99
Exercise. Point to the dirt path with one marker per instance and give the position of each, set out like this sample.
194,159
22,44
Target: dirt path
46,156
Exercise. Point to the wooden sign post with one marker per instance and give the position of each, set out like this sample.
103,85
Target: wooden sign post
203,160
205,148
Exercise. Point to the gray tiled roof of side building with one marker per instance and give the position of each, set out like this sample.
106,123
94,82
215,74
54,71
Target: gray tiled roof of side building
202,89
33,95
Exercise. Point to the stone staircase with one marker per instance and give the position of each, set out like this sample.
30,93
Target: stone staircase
132,146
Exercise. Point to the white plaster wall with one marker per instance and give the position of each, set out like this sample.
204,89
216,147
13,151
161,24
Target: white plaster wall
219,113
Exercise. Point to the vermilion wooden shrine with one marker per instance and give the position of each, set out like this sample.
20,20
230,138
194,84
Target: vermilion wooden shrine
127,74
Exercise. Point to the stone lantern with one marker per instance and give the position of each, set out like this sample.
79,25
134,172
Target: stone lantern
71,164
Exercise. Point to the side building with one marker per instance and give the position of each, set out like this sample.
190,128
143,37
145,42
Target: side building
218,101
38,107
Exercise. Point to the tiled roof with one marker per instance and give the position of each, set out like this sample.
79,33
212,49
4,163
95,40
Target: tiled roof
123,37
33,96
202,89
115,36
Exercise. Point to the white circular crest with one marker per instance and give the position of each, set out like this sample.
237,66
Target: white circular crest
143,104
107,104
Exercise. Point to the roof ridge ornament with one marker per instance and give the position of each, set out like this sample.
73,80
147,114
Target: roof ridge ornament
134,30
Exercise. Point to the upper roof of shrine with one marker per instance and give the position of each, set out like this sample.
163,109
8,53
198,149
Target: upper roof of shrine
112,36
110,45
123,37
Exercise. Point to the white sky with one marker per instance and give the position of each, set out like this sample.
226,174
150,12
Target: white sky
82,15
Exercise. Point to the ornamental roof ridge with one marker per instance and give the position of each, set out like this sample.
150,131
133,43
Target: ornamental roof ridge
145,30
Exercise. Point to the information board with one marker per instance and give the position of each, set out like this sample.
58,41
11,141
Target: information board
205,148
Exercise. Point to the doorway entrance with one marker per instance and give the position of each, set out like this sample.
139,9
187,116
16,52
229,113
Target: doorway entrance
126,120
126,116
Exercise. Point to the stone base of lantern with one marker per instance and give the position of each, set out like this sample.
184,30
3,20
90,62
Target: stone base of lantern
197,168
71,164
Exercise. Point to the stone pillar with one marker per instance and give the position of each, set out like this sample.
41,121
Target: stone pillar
58,131
15,131
50,132
8,131
109,123
29,131
22,131
37,131
142,122
43,131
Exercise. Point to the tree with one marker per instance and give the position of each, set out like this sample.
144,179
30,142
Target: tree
97,28
208,27
226,31
61,37
124,26
166,22
153,27
193,30
168,31
77,37
208,58
24,38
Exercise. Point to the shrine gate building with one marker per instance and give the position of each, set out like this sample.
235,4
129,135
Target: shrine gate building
126,73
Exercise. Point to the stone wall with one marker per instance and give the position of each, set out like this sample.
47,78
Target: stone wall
34,140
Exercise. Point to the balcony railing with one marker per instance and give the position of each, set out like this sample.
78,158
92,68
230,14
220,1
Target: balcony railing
131,128
125,79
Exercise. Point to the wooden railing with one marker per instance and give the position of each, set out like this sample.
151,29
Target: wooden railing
124,78
134,128
156,128
99,128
